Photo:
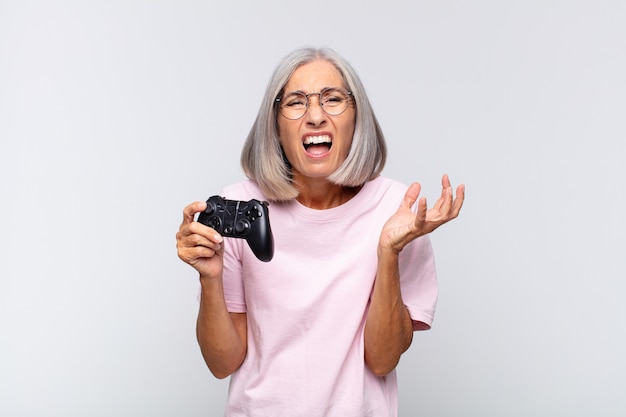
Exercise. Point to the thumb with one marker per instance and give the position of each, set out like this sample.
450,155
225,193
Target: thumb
190,211
410,197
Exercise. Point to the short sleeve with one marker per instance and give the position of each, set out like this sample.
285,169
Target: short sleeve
234,293
418,281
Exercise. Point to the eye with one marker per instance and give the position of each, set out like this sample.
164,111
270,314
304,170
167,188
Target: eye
294,100
333,97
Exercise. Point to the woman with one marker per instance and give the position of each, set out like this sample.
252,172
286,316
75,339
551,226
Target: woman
319,330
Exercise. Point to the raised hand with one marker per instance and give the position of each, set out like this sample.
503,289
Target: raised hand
405,225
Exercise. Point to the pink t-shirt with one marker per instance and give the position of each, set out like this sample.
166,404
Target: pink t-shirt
306,308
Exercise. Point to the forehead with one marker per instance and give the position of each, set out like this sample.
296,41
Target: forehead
314,76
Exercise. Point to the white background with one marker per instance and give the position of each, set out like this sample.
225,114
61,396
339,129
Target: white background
116,114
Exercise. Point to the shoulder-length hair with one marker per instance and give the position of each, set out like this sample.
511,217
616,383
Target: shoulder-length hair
262,157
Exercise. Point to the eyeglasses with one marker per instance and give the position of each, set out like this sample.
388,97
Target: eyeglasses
333,101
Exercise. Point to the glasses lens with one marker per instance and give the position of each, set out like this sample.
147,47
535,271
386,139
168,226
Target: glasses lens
293,106
334,101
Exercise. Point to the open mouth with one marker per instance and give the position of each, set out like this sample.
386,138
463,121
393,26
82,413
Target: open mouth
318,144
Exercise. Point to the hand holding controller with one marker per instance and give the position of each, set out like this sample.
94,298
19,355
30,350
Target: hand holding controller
241,219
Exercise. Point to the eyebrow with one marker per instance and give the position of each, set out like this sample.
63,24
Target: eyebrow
294,92
305,93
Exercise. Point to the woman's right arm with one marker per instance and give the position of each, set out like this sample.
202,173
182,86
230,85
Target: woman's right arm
222,336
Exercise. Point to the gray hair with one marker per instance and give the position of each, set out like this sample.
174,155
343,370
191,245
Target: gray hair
262,157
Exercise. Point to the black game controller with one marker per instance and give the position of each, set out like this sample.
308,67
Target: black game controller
241,219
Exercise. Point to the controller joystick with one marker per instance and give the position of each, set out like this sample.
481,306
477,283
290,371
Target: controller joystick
242,226
247,220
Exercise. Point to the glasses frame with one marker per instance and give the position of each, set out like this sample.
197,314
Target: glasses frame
319,100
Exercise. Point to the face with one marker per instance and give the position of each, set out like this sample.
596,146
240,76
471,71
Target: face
317,143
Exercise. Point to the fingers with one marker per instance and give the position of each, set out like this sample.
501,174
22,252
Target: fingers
197,243
445,181
448,203
447,207
190,211
192,255
196,234
410,197
195,240
201,235
422,208
458,201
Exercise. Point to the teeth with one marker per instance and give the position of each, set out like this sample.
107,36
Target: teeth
316,140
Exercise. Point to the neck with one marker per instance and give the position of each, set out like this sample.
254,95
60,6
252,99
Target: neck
322,194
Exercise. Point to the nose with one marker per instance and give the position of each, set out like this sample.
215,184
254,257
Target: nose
315,115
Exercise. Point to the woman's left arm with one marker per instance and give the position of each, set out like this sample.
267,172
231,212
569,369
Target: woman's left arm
389,328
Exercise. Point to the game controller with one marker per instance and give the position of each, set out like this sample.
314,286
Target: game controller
241,219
